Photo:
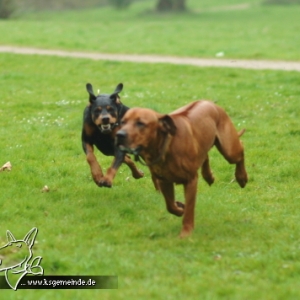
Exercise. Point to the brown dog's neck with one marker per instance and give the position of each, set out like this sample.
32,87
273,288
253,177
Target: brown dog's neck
156,153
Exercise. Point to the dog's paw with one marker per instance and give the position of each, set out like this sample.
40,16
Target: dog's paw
185,232
139,174
180,204
210,180
177,209
242,179
242,182
104,182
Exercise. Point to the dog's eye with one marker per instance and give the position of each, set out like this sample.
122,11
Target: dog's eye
123,122
97,111
110,110
140,124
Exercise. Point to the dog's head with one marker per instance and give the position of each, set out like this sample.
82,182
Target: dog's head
141,129
105,108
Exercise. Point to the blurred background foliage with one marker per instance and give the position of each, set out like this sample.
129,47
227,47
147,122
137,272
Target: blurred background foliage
281,2
9,8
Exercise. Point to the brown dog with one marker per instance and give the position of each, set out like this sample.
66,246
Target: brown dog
176,145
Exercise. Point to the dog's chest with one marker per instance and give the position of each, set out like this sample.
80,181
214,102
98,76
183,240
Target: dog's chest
164,172
105,143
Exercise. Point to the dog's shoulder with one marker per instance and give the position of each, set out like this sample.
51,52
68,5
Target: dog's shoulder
122,110
87,118
89,129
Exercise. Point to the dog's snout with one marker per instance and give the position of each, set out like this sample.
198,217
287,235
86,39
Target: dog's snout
105,119
121,137
121,134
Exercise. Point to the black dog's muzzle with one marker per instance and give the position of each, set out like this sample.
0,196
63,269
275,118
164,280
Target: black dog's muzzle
107,128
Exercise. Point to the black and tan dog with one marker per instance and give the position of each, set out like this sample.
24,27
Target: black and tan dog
101,119
176,145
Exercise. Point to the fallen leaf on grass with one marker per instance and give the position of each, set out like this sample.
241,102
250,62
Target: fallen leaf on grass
45,189
6,166
217,257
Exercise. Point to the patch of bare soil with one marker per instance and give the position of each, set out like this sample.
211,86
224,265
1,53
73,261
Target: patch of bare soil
200,62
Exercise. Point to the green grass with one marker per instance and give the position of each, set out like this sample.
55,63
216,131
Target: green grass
257,32
246,244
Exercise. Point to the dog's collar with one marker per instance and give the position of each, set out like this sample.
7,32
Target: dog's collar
166,142
114,125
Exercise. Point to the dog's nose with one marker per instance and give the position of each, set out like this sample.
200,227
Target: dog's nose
105,120
121,136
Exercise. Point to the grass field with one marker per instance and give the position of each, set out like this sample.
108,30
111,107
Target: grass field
246,244
210,27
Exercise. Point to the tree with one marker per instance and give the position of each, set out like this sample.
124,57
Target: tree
6,8
171,5
120,3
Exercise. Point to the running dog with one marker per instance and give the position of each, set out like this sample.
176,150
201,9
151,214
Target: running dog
101,119
174,146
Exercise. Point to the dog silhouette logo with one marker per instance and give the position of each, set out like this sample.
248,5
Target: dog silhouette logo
16,258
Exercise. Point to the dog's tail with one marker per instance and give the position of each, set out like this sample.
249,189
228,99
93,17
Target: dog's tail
240,133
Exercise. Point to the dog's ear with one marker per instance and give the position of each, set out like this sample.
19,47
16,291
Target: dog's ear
89,89
167,124
119,88
115,95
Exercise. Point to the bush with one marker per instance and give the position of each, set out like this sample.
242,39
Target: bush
281,2
63,4
6,8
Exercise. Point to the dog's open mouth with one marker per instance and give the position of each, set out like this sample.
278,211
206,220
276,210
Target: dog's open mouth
105,127
135,151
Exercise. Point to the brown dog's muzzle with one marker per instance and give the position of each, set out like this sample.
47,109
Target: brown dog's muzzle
120,139
123,145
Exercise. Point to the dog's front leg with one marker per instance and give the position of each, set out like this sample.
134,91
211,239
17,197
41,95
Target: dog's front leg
190,192
107,180
92,161
134,170
155,183
174,207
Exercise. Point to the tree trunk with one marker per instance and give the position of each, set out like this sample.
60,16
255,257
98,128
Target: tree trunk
171,5
6,9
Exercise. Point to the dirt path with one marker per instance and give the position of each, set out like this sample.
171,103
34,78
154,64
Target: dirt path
200,62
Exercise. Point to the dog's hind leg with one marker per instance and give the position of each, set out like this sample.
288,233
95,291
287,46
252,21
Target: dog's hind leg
206,172
134,171
231,148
